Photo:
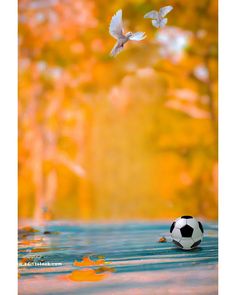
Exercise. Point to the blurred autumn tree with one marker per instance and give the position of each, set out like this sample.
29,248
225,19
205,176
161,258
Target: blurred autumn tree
124,138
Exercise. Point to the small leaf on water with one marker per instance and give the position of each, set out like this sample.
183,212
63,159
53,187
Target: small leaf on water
162,240
30,242
86,261
26,259
86,275
39,250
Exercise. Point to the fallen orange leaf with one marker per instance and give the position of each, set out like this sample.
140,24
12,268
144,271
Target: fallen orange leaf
86,261
39,250
99,262
86,275
30,242
26,259
162,240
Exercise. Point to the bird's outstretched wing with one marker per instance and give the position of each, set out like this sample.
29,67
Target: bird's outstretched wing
164,10
116,25
159,23
151,14
137,36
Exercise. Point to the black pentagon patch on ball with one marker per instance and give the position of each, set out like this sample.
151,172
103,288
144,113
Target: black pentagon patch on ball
172,227
186,231
177,244
200,226
196,244
186,217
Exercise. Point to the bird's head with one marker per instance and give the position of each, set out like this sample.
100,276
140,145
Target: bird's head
129,34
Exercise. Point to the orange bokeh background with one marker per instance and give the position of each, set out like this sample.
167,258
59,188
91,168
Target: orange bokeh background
131,137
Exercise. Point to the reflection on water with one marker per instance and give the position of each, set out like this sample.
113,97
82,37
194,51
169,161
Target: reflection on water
73,258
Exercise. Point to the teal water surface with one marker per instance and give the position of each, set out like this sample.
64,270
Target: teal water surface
135,260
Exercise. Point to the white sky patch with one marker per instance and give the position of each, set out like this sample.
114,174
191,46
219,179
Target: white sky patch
172,41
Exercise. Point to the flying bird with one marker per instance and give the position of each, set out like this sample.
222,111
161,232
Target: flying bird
158,17
117,31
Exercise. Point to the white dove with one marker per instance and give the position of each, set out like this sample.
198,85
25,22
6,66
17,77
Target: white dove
117,31
158,17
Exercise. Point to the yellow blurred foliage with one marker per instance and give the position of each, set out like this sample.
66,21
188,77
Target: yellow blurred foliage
131,137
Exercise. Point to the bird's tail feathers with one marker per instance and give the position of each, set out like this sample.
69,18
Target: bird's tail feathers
116,49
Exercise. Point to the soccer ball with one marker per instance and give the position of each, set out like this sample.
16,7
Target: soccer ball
186,232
